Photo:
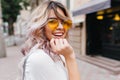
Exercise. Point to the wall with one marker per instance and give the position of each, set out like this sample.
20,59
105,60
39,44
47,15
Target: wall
75,40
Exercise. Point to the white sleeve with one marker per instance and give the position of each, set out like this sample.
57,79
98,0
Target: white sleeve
40,66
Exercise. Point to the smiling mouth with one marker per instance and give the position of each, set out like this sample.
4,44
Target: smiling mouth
58,35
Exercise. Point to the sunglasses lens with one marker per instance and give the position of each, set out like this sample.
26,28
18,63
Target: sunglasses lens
53,23
67,24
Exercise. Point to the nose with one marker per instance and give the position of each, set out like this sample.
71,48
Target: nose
60,26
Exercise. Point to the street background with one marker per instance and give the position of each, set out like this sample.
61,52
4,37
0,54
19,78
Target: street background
13,31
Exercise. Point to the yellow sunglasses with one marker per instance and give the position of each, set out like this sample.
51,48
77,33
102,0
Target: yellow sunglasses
53,23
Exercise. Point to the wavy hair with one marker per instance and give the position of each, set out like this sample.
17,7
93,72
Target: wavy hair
36,23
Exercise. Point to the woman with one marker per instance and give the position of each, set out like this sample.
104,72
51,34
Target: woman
49,56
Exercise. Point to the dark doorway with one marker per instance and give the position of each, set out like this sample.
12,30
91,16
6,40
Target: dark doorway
93,35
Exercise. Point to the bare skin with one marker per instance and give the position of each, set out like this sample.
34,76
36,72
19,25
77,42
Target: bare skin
61,46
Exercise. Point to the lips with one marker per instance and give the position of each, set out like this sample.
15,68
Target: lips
58,34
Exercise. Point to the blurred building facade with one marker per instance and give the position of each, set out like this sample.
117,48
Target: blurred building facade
101,28
103,31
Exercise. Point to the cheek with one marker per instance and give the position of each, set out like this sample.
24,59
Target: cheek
48,33
66,33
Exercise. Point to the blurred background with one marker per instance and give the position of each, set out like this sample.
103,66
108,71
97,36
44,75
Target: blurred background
95,36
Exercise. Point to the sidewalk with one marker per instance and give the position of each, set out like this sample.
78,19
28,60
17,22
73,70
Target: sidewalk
9,65
9,68
92,72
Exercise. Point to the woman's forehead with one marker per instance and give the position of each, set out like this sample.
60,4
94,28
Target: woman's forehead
52,13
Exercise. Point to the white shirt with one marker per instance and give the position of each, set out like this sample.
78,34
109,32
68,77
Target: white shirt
40,66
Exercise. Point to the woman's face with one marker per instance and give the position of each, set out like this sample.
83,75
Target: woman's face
54,28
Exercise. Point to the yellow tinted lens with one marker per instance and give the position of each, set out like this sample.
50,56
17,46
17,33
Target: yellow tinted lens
67,24
53,23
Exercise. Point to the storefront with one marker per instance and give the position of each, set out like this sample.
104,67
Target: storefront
103,32
102,27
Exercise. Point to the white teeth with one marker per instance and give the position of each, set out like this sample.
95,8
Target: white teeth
58,34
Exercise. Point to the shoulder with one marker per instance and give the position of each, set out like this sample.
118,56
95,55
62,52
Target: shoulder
39,57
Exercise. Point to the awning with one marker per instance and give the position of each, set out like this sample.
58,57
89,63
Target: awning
92,6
